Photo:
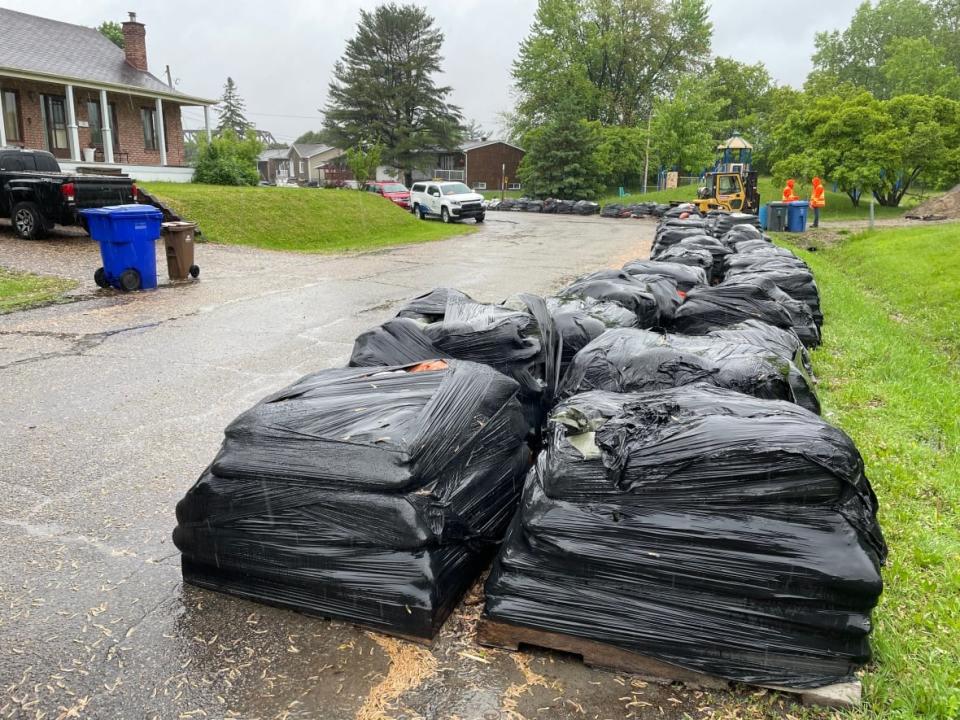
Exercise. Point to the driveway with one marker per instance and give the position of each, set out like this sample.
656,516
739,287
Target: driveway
113,404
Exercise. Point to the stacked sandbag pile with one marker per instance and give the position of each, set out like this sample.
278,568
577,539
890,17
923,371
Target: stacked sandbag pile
706,528
627,360
519,341
373,495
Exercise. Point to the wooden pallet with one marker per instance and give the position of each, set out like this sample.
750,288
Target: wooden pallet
494,633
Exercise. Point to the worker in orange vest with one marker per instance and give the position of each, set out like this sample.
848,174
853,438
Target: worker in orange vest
817,200
788,194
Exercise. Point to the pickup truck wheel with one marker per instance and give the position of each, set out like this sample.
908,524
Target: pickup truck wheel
27,221
481,218
444,215
100,278
129,280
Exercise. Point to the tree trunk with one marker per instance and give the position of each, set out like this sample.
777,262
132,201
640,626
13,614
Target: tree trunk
854,196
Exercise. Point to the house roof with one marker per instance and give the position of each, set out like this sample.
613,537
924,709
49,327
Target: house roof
476,144
275,154
308,150
51,49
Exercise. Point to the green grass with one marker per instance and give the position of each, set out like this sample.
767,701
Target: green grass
300,219
839,206
890,378
22,290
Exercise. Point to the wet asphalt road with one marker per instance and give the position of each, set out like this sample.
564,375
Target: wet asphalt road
111,406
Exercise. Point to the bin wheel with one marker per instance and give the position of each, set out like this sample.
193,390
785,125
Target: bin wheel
194,271
129,280
100,278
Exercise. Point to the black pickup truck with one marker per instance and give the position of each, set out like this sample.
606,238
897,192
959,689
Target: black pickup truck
36,195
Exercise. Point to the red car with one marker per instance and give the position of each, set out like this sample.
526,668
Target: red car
393,191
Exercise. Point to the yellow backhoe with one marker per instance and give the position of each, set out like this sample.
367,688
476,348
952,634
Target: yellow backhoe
732,185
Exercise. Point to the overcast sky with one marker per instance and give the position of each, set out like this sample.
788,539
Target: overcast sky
280,53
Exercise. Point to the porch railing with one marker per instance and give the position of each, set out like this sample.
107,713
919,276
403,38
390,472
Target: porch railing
449,175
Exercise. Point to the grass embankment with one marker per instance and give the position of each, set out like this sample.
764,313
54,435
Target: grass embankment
839,205
890,377
22,290
301,219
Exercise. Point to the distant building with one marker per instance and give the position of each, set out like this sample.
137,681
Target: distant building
481,164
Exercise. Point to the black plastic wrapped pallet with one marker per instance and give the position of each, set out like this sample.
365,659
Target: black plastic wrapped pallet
373,495
706,309
700,526
686,277
445,323
633,360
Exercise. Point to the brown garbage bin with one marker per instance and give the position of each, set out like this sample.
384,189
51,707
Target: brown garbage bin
178,239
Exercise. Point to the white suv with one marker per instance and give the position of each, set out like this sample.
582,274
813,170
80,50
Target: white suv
450,201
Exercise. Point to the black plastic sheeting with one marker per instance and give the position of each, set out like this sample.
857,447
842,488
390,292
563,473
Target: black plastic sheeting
521,343
633,360
706,309
580,320
374,495
652,298
686,277
783,343
700,526
686,255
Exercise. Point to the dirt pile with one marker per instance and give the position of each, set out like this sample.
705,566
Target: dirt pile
945,207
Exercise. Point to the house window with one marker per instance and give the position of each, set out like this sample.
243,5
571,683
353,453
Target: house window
96,124
479,186
303,166
11,116
513,186
148,118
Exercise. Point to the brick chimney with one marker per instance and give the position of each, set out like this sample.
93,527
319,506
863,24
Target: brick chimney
135,42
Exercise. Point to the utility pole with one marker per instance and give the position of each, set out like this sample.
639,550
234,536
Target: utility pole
646,155
503,174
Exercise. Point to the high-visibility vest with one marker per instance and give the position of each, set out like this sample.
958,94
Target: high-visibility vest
788,195
818,200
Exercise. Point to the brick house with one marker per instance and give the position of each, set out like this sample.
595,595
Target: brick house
481,164
69,90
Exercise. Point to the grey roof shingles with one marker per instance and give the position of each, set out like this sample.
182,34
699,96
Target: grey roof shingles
308,150
39,45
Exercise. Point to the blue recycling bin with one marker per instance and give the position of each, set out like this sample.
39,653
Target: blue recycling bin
762,215
797,216
127,235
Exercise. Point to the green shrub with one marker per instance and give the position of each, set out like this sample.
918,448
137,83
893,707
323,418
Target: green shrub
228,160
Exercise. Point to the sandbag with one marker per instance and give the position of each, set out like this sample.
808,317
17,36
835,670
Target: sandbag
580,320
653,299
702,527
705,309
633,360
797,282
783,343
374,495
686,255
686,277
521,343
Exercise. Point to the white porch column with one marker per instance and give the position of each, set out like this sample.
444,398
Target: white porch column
73,135
3,127
107,131
206,122
161,134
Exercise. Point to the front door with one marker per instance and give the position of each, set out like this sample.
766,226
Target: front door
55,115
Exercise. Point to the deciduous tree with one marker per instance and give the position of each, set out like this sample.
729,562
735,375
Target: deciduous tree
112,30
685,126
561,158
609,58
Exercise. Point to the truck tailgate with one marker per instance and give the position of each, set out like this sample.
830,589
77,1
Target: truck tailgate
94,191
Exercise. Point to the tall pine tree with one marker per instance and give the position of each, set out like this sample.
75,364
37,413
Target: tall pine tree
231,109
383,89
